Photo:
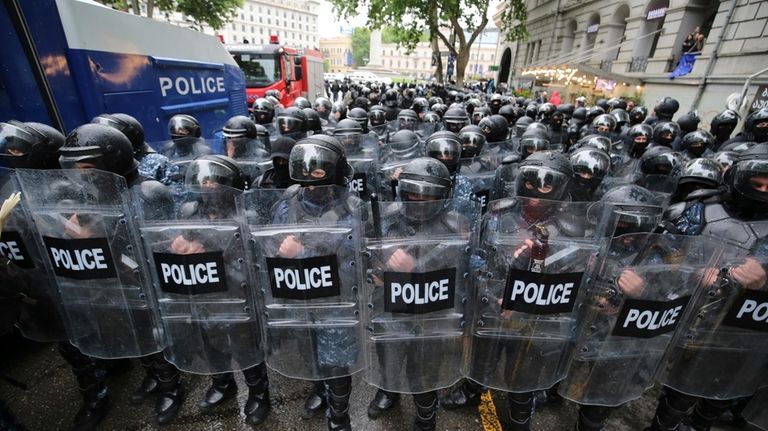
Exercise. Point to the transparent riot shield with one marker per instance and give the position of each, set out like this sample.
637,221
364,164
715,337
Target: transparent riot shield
389,174
720,348
756,412
25,281
365,180
635,298
535,255
480,171
417,288
95,257
304,245
505,178
254,168
201,279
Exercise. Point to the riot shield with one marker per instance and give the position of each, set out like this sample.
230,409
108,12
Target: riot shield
535,254
304,245
388,176
201,279
480,171
635,298
756,412
720,348
25,281
365,180
416,289
95,257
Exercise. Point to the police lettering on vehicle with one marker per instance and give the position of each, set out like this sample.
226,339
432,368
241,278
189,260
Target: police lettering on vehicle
646,319
359,185
12,247
750,311
183,86
419,292
191,274
303,279
537,293
80,259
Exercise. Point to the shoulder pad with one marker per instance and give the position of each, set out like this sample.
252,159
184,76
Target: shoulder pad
702,194
510,159
291,191
189,209
715,212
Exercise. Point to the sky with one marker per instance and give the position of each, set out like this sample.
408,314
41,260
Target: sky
326,15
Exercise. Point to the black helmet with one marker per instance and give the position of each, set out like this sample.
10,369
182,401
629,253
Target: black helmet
532,144
536,126
546,110
407,119
616,103
604,124
544,175
129,126
472,140
593,113
338,111
239,126
101,146
420,105
377,115
660,161
404,142
697,142
446,147
431,118
496,103
531,110
521,125
390,98
434,100
620,116
665,108
349,133
581,101
455,119
323,107
183,126
439,109
724,124
756,125
494,131
688,122
603,104
359,115
301,103
263,111
665,132
599,142
510,113
479,113
281,148
637,115
424,183
698,174
579,115
221,170
748,179
590,166
291,120
273,93
319,160
635,207
640,136
29,145
313,121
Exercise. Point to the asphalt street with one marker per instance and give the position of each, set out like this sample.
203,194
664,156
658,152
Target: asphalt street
51,399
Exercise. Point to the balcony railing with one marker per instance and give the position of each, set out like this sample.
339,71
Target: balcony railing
606,65
638,64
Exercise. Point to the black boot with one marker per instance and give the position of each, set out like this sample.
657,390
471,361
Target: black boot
467,393
222,387
148,385
521,406
170,393
315,402
93,388
258,405
672,410
339,390
426,411
592,418
707,412
382,402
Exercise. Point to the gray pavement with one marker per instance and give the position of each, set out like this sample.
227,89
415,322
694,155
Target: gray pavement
51,399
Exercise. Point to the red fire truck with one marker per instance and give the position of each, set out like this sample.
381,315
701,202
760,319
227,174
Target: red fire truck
293,72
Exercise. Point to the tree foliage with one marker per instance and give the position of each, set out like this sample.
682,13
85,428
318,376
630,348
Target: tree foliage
361,46
409,20
214,13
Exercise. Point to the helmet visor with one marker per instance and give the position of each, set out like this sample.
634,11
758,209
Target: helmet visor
312,163
541,182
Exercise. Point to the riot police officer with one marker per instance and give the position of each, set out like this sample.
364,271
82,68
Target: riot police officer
185,138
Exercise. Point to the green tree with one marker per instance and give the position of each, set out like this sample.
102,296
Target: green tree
409,20
215,13
361,46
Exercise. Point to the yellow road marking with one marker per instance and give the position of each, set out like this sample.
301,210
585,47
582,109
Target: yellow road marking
487,410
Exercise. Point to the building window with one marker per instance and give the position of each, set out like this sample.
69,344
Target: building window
269,11
242,27
253,29
234,27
